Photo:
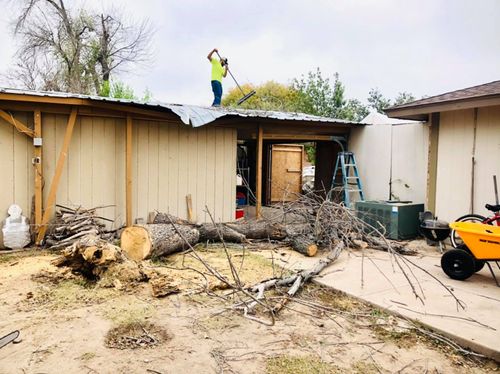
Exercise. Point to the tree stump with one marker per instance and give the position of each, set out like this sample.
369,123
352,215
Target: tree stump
156,240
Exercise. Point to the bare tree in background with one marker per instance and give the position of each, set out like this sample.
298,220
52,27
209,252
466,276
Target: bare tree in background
74,50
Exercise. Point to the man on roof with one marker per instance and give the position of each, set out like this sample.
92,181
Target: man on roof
219,71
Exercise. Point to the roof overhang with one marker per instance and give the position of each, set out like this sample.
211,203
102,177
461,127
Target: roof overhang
191,115
421,112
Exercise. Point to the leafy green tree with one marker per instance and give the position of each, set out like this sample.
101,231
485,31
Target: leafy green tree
320,96
403,98
354,110
377,101
120,90
270,96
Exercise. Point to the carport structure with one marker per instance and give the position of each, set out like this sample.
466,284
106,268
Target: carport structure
134,157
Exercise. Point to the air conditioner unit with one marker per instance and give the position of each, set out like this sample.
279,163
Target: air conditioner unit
399,220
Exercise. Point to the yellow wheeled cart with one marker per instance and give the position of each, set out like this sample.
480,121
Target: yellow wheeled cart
481,246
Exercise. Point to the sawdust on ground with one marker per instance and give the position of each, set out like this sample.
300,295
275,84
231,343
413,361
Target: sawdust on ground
73,327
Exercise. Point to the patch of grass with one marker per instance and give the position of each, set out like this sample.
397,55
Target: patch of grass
11,257
363,367
87,356
299,365
127,310
70,294
221,322
334,299
251,267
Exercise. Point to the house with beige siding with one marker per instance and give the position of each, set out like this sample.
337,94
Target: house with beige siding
133,158
464,147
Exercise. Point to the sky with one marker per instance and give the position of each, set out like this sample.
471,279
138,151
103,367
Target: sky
425,47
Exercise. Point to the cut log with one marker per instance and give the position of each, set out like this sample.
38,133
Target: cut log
303,245
209,232
156,240
259,229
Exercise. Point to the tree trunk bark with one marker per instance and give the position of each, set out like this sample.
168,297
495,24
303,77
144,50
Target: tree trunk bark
208,231
155,240
259,229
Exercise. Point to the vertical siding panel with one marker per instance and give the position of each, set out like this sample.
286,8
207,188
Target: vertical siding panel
143,169
6,167
211,179
98,175
153,182
120,172
183,157
49,152
74,161
62,190
21,167
201,175
173,167
219,174
487,157
227,170
135,169
454,164
164,166
86,162
193,180
107,168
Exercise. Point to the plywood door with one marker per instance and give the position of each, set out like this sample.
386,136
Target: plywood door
286,172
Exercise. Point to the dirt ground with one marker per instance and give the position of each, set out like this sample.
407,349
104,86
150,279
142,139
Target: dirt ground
70,326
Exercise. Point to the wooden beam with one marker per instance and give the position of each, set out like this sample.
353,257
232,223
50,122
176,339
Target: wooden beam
121,107
305,138
432,161
258,179
37,153
128,172
21,127
51,199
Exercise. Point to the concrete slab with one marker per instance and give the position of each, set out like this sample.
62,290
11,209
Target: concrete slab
477,327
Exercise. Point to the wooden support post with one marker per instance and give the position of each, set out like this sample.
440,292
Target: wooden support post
51,199
258,178
21,127
37,153
128,172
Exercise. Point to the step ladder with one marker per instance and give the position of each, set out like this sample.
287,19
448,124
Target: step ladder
350,182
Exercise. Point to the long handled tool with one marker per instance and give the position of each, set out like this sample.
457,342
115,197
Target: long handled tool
245,96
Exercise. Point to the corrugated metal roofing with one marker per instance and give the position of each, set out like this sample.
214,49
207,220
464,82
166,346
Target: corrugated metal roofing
189,114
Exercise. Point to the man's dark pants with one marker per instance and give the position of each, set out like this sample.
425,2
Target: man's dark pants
217,90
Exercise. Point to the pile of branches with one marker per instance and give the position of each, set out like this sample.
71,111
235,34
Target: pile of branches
327,223
333,227
69,225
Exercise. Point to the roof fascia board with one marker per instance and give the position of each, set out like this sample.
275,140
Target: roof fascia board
413,112
81,102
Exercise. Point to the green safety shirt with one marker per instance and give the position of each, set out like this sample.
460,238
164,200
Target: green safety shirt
217,70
